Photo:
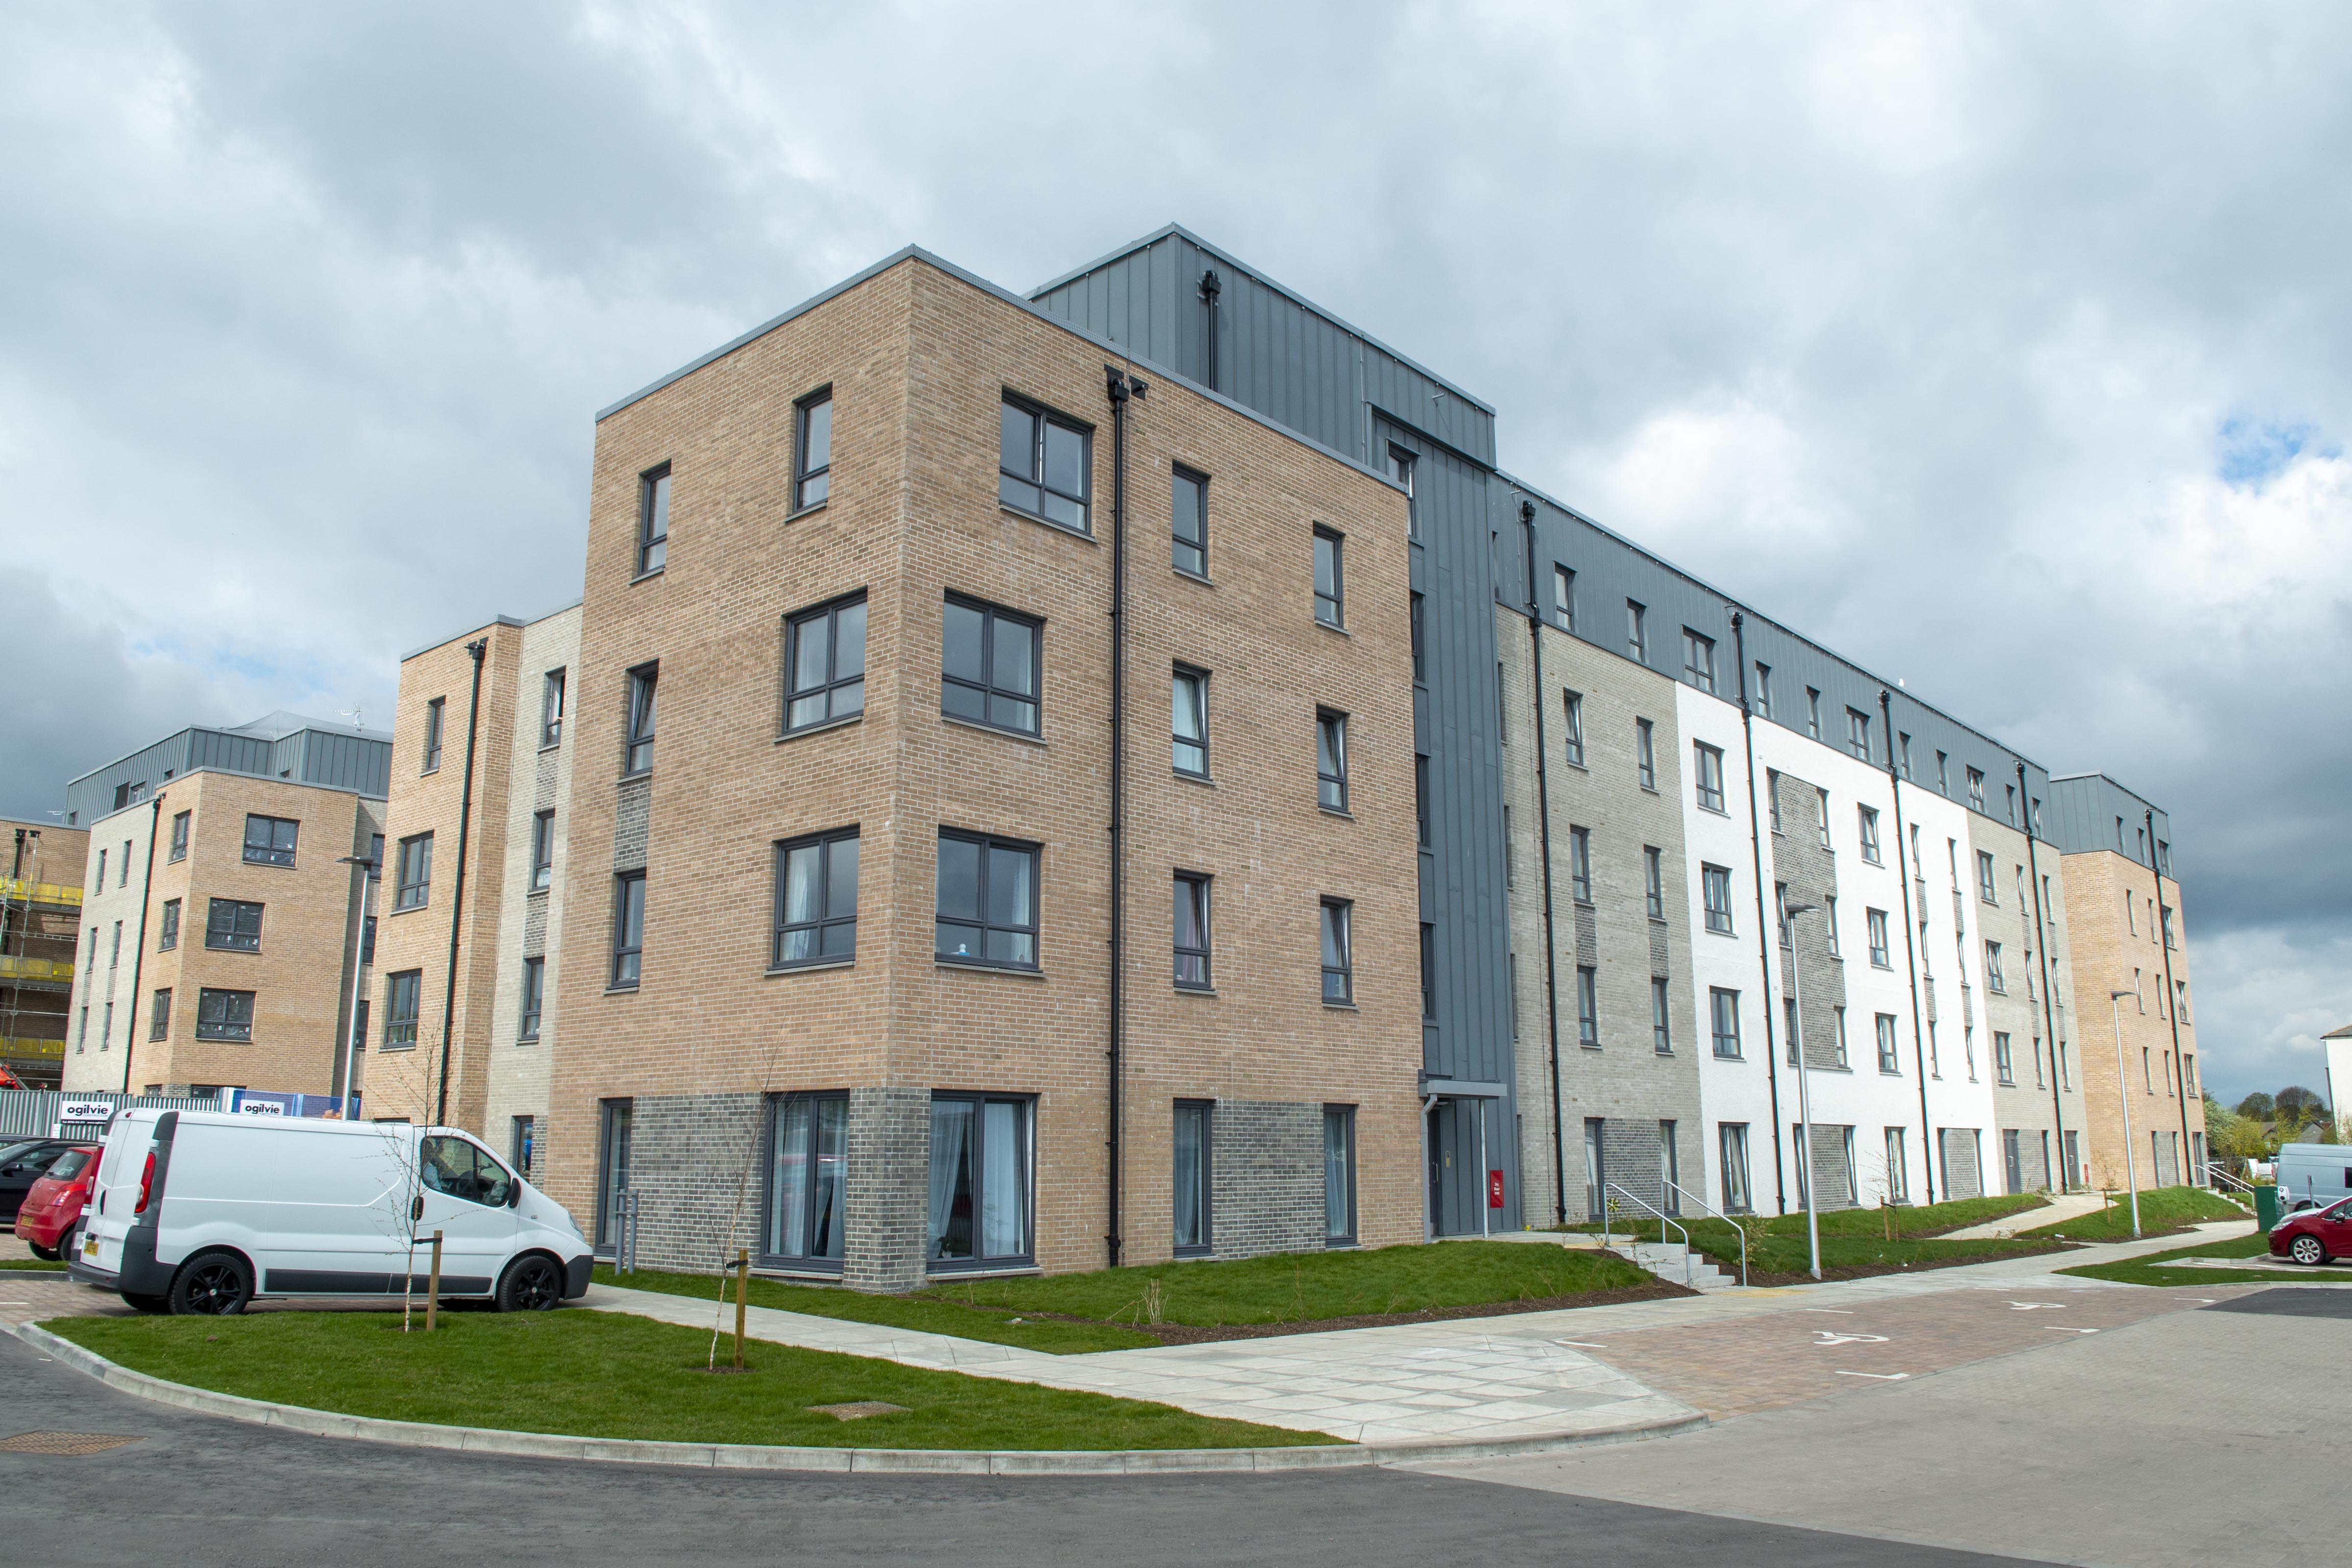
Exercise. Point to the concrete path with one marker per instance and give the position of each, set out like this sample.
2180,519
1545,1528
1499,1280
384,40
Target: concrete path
2072,1206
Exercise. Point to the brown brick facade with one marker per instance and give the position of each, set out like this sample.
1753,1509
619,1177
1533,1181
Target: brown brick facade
2112,951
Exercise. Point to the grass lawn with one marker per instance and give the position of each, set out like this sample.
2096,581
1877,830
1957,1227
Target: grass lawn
1918,1221
1311,1286
31,1266
606,1374
926,1313
2151,1270
2162,1209
1783,1248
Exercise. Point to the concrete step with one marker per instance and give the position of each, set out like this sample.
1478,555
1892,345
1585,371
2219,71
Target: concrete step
1670,1261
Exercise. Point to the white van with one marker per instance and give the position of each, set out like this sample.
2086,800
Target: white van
2313,1176
198,1211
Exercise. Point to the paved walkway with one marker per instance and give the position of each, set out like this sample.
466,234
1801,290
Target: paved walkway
2072,1206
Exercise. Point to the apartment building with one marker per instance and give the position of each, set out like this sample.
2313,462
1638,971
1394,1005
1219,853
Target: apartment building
40,929
1500,872
2130,974
227,911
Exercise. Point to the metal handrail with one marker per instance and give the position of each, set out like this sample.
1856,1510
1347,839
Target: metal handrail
2215,1173
1741,1230
1608,1187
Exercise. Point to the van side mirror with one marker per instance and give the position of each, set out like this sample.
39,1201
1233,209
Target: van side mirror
514,1194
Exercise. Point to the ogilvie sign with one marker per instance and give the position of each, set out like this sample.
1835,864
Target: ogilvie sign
84,1110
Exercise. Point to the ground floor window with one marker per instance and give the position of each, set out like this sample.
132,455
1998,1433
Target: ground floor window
982,1152
1596,1170
526,1140
1732,1143
808,1141
2070,1158
611,1171
1191,1177
1339,1172
1670,1171
1899,1168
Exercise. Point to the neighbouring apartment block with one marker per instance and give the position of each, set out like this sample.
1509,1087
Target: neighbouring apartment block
226,909
1120,774
40,931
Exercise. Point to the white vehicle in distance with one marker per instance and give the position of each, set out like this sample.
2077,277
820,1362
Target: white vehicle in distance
198,1211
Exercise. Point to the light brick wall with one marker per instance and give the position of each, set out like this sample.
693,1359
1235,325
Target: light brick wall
2105,949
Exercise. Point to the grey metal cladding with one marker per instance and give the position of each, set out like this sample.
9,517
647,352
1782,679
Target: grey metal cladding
2082,815
355,763
91,797
331,758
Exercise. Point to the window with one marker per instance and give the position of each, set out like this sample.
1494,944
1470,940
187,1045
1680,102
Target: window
91,967
1331,583
454,1167
1192,930
1715,885
1579,863
1993,981
1904,748
159,1025
990,665
1420,659
1708,761
980,1157
1189,523
817,900
1670,1169
1787,930
1044,465
1763,690
1987,889
1662,1033
81,1037
543,850
1574,702
1842,1062
1330,760
1724,1006
2180,1000
824,664
808,1170
180,823
521,1143
1645,756
1563,598
1975,789
2011,805
551,710
1338,961
1401,469
1790,1034
1732,1142
1654,881
987,901
233,926
114,952
1828,923
1813,713
1637,634
811,449
637,755
1189,720
1191,1178
413,880
1421,800
1698,660
1876,920
534,997
1772,797
1898,1175
1428,971
435,711
170,937
2004,1068
611,1168
1339,1173
1587,1007
224,1015
652,520
2163,849
269,840
1857,733
1869,820
628,928
1822,816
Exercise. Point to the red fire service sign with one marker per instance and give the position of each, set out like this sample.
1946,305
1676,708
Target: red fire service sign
1494,1189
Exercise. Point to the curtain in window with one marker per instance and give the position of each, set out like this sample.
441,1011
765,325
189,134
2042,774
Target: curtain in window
1003,1200
825,1213
1191,1220
950,1179
792,1178
1336,1217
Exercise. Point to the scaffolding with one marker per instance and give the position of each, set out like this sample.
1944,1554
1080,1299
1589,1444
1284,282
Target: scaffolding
40,923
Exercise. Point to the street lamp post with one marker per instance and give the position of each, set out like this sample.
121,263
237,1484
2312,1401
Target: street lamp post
2123,1098
1789,913
367,865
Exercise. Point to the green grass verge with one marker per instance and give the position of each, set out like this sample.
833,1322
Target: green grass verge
2160,1209
607,1374
31,1266
2151,1270
996,1325
1920,1222
1311,1286
1786,1250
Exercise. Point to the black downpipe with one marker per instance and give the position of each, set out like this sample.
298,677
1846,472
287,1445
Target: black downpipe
1121,388
475,651
1543,818
1763,927
1211,287
2042,946
1903,864
2172,999
139,958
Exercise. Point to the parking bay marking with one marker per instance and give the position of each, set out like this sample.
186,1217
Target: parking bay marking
1881,1377
1832,1337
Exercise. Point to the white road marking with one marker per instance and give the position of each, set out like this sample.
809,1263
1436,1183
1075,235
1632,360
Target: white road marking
2039,1306
1581,1344
1832,1337
2063,1328
1841,1311
1881,1377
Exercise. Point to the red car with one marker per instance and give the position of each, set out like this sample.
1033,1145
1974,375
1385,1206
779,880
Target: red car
2314,1235
52,1205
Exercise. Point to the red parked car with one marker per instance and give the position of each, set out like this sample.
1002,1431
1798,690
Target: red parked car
52,1205
2315,1234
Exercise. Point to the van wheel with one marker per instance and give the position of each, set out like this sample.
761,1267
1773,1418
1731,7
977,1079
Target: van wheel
141,1303
532,1285
212,1284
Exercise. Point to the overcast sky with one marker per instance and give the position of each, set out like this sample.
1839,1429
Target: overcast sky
2005,348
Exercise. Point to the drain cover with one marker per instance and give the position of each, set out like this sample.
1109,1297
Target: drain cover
859,1409
62,1442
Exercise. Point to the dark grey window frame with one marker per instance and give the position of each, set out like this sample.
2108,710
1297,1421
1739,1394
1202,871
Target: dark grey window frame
407,892
802,1261
1698,660
1645,754
1403,467
1428,973
833,689
990,692
980,1262
640,718
1564,597
1579,863
534,997
615,1130
652,520
1573,703
1178,742
1637,631
271,853
1874,924
1421,799
399,1028
1415,615
1333,600
1890,1051
217,1014
551,707
168,932
826,923
1731,1158
809,474
1332,775
1654,881
988,843
182,827
1204,1115
1662,1026
1714,878
1708,781
1200,886
1335,914
1763,690
1043,419
1342,1117
1857,734
159,1019
628,964
543,850
241,914
1196,543
1717,1011
1588,1006
436,713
